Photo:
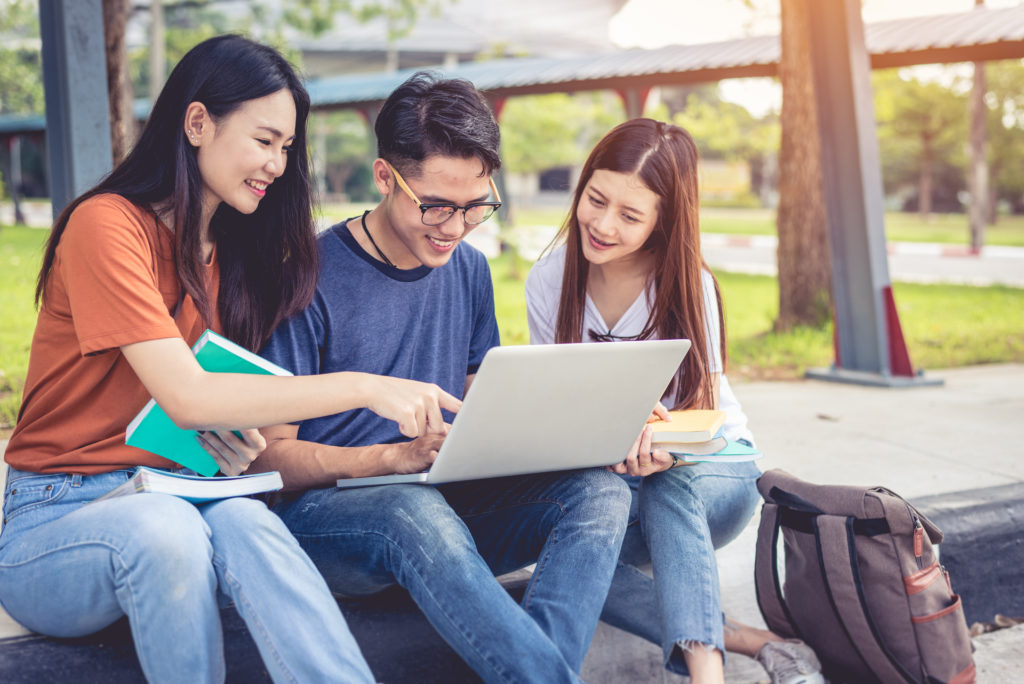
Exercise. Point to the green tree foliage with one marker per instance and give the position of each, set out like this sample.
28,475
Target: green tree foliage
21,84
343,150
185,25
1005,99
316,17
726,130
189,22
542,131
922,126
341,141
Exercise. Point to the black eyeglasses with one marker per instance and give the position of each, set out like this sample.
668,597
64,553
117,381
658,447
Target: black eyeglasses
608,337
434,214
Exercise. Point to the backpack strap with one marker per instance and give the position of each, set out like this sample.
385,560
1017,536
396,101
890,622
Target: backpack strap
837,555
766,574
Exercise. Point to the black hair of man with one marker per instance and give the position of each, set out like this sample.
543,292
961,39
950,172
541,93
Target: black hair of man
429,115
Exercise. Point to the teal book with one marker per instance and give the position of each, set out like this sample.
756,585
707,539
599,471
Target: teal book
152,429
731,452
195,488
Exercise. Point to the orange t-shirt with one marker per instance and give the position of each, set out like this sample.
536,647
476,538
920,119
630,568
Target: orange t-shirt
113,283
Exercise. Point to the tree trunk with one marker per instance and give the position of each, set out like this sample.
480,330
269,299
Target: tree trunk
805,274
924,183
978,181
119,86
992,206
14,177
337,176
156,49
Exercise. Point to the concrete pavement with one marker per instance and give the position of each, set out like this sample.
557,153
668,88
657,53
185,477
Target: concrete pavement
917,442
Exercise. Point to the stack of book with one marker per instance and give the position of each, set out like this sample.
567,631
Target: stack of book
696,435
154,431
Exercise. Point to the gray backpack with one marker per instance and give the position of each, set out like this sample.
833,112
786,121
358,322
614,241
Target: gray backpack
862,585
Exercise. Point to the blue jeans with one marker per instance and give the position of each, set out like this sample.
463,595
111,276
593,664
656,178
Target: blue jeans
68,569
677,520
445,544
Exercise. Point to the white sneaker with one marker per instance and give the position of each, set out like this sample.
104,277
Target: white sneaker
790,662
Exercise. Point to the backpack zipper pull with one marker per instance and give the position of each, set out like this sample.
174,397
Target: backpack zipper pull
918,542
918,537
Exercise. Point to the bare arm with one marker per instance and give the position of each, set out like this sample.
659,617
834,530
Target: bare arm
199,400
308,465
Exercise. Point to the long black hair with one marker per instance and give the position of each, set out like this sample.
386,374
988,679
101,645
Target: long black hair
268,259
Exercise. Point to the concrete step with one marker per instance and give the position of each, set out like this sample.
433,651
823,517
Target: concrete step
396,640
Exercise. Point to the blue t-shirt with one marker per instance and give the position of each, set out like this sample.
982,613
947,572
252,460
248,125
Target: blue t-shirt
432,325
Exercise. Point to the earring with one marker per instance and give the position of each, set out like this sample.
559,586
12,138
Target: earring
192,137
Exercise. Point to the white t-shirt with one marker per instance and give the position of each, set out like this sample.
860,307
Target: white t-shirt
543,290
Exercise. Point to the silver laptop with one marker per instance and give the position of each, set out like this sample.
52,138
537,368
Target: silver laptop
539,408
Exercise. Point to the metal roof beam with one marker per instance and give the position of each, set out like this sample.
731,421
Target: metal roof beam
990,52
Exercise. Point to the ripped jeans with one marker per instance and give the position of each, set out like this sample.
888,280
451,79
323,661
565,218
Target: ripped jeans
677,520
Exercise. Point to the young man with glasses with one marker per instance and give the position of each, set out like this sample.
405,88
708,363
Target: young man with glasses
399,294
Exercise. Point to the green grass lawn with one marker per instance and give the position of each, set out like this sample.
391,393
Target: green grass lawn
21,251
944,325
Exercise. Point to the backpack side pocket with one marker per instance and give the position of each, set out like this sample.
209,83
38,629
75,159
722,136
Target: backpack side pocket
939,626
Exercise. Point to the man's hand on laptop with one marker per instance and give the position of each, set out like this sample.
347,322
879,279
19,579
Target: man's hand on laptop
415,406
415,456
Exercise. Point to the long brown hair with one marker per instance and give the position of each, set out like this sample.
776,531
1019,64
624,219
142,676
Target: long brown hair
664,157
268,260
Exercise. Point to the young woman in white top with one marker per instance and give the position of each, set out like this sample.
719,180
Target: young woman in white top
628,266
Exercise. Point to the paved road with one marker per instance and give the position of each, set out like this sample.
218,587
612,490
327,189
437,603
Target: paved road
908,261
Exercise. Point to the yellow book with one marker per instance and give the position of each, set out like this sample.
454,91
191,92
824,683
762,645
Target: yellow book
688,427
